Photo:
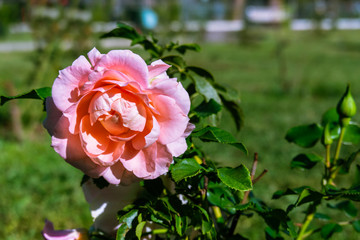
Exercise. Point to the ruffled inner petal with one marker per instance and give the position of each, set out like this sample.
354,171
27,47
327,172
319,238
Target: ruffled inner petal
94,138
149,135
101,104
111,155
131,111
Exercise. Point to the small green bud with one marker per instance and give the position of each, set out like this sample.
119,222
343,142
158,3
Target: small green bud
346,108
326,136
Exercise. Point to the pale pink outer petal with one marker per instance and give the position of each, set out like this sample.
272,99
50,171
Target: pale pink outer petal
94,56
179,146
128,63
172,120
163,160
105,203
67,145
52,117
157,68
66,87
172,88
150,162
50,234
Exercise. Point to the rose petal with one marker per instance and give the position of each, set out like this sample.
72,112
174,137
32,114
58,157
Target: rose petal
70,149
50,234
67,145
94,56
111,155
179,146
65,90
172,88
157,68
149,135
94,138
128,63
52,117
100,104
117,174
171,118
133,113
150,162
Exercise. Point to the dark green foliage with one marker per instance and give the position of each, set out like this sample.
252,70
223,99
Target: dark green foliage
307,161
344,132
40,93
305,136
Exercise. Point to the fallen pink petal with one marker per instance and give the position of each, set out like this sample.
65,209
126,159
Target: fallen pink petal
49,233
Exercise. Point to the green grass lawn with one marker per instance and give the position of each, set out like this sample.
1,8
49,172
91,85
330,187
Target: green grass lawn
277,93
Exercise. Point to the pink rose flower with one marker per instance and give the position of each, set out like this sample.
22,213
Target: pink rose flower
118,118
71,234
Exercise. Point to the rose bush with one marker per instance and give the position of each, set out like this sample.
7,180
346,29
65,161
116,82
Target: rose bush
118,118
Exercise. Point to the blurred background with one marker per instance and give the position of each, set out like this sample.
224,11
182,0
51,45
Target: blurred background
289,60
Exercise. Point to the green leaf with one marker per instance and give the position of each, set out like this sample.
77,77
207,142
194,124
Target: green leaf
180,225
290,227
160,213
347,206
174,60
206,109
308,195
205,88
124,31
187,46
295,191
352,134
188,167
206,226
236,178
214,134
274,218
330,116
271,234
322,216
125,221
356,225
201,72
128,217
40,93
151,47
329,229
235,110
350,194
220,195
307,161
345,167
356,179
121,232
139,229
305,136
